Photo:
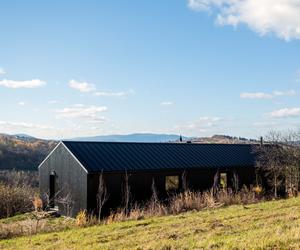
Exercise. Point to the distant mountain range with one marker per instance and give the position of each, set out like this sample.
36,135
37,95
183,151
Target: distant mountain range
138,137
24,152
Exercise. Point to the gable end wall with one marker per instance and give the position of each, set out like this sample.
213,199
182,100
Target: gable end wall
71,178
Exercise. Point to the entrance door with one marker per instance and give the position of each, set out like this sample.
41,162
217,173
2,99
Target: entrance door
52,190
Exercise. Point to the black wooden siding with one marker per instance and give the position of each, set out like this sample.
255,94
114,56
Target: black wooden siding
70,178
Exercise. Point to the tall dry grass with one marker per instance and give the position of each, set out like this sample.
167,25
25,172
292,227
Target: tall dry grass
187,201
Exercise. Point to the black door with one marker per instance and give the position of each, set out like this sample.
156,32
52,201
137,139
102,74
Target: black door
52,191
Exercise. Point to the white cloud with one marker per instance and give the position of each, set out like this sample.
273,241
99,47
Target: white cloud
280,17
2,71
91,88
257,95
82,112
82,86
285,113
70,130
166,103
113,94
284,93
35,83
203,124
21,103
21,125
262,95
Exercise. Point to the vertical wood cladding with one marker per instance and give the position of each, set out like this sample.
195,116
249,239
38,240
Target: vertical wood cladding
71,179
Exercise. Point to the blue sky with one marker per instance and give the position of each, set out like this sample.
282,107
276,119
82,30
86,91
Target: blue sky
197,67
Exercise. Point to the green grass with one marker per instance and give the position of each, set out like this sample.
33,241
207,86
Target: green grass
267,225
16,218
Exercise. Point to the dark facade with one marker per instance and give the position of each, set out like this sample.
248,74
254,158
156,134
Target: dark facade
70,174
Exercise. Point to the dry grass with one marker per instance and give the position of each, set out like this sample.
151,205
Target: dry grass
33,223
40,221
265,225
187,201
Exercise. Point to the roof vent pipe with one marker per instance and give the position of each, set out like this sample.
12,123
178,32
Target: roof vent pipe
261,141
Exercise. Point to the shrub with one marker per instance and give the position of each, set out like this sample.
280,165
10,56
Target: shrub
15,199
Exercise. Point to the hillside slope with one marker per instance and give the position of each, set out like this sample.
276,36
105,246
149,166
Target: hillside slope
268,225
23,152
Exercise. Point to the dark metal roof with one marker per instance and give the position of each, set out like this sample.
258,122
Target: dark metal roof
120,156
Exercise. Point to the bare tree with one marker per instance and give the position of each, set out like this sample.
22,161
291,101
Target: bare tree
126,193
62,197
278,160
184,181
235,182
65,199
216,183
101,195
154,192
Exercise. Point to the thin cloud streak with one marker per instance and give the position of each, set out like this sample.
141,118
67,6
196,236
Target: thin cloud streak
30,84
262,95
285,113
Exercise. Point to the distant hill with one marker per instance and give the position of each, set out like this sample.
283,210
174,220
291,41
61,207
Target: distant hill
24,137
139,137
23,152
224,139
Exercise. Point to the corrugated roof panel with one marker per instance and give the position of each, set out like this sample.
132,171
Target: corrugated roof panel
120,156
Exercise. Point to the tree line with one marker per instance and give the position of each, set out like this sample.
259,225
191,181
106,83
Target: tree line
278,163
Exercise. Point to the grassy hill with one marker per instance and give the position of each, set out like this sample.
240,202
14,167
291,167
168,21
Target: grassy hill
268,225
23,153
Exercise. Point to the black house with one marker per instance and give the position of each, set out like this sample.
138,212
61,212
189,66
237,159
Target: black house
70,173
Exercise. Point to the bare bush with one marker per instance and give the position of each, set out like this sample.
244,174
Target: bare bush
19,178
15,199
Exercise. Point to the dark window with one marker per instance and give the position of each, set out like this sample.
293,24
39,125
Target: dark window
172,183
223,180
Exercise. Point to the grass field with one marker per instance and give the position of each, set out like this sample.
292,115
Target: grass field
268,225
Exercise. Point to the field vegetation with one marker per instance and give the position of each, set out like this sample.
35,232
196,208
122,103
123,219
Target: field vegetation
223,217
265,225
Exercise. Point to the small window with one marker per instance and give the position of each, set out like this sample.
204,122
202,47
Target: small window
223,180
172,183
